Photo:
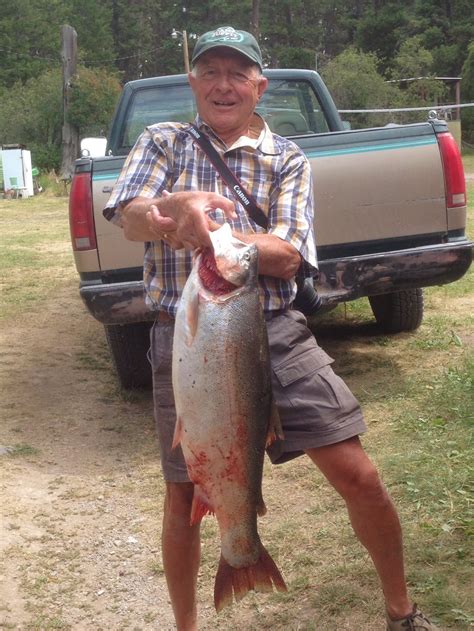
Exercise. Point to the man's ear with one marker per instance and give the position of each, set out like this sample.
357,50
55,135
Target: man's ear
262,86
191,79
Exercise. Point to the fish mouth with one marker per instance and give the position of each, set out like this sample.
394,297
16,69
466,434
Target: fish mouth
210,276
229,253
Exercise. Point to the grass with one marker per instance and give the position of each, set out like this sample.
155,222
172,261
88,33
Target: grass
417,395
468,160
35,252
22,449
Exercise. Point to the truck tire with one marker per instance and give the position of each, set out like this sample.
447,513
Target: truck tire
129,344
398,311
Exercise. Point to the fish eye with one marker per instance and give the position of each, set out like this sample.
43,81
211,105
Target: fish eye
246,256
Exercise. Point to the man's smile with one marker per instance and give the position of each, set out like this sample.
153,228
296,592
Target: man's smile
223,103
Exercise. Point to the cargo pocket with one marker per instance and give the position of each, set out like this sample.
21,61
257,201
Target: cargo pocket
305,386
302,365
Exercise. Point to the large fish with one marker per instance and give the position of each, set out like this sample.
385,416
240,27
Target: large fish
225,415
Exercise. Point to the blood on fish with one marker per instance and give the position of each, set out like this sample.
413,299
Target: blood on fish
210,277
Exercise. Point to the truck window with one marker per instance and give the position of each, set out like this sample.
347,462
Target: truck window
159,104
290,108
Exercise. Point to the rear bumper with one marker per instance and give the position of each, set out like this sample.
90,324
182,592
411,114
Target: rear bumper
340,280
353,277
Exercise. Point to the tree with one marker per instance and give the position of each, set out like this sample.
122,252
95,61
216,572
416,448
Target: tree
381,32
467,114
29,38
94,94
92,20
31,114
355,83
415,61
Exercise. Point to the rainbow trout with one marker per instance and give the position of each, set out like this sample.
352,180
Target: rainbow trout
225,415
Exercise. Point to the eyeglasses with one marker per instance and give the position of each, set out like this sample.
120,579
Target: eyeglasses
235,77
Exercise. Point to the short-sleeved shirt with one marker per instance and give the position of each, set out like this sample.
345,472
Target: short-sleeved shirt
272,168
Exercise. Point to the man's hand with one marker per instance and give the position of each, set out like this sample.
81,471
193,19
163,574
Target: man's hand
163,228
179,219
183,217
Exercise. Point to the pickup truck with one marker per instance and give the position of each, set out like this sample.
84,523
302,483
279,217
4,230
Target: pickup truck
390,209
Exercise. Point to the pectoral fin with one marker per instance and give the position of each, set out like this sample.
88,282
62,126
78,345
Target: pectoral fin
178,433
274,426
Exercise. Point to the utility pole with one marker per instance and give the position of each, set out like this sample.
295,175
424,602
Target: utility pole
70,135
185,52
184,36
255,22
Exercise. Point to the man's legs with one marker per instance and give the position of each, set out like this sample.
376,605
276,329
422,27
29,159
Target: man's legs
180,540
372,514
181,554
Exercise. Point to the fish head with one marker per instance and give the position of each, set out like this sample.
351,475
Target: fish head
235,260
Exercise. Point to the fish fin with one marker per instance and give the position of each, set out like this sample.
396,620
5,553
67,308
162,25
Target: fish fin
267,575
200,506
274,426
192,317
233,582
261,508
223,589
178,433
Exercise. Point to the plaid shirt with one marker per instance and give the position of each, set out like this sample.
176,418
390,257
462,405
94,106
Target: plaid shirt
275,172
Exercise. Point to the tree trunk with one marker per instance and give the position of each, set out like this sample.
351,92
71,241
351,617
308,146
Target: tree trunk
255,24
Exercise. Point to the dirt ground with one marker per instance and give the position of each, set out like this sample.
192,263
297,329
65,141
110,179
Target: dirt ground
79,543
80,487
80,479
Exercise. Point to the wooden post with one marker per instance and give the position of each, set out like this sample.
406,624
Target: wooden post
185,52
255,21
458,98
70,136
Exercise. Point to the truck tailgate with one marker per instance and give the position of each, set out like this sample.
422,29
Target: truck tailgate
377,184
115,251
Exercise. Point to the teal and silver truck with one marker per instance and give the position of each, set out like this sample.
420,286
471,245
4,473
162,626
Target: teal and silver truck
390,209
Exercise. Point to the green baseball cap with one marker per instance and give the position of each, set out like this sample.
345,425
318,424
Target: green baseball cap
241,41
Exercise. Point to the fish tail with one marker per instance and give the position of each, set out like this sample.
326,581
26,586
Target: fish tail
233,582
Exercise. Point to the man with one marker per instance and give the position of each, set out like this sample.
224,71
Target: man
170,196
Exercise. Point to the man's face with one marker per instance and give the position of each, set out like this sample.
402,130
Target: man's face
227,88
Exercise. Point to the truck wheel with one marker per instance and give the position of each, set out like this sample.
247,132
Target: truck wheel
129,344
398,311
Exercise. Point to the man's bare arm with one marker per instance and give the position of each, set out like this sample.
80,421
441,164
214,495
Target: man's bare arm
276,257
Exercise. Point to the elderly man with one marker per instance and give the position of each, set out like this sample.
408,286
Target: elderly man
170,196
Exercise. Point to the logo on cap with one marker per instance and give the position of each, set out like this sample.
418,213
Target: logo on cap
227,34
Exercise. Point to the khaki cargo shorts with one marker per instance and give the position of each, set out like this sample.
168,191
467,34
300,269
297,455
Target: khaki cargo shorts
316,407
